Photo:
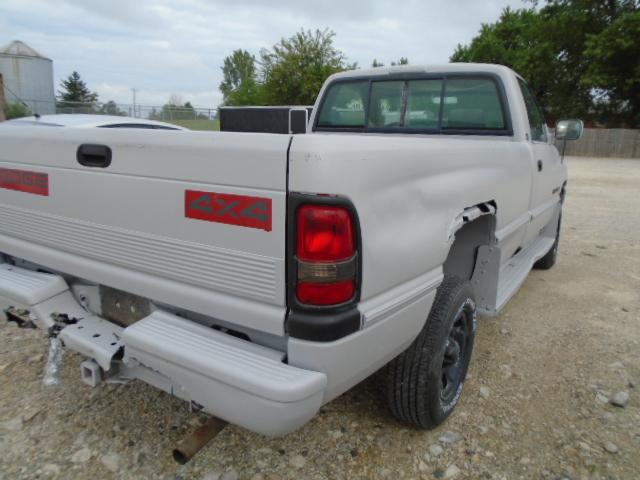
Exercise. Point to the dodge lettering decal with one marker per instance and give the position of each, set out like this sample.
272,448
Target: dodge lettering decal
36,183
253,212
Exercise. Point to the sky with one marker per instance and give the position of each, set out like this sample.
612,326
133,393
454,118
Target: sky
163,47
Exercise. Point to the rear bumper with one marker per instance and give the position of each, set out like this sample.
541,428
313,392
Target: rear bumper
233,379
236,380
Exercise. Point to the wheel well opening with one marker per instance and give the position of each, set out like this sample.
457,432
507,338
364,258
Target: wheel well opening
463,253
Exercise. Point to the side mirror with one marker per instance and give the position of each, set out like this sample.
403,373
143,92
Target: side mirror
569,129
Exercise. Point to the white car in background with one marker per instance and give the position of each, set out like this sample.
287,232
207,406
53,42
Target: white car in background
92,121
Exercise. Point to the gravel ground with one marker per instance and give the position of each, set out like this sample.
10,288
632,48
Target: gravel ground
537,403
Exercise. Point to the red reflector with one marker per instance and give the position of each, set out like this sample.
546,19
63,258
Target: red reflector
326,293
325,233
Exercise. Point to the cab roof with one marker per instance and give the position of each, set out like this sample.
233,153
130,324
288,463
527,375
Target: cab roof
412,69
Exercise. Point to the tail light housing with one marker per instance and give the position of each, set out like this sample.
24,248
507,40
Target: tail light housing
326,255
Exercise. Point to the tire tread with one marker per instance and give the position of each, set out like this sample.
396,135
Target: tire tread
406,378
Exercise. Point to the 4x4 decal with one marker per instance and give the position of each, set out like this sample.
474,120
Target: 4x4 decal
241,210
25,181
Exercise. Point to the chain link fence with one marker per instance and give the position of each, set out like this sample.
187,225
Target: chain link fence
195,118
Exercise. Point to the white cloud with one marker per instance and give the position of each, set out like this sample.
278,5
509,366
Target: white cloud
162,47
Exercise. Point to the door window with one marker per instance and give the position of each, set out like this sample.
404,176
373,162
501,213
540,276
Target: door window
534,113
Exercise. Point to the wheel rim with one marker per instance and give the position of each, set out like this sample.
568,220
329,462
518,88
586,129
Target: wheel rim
455,359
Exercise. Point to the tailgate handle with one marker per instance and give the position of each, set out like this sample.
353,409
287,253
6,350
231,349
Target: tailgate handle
96,156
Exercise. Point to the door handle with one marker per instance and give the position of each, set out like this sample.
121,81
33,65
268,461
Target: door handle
540,165
95,156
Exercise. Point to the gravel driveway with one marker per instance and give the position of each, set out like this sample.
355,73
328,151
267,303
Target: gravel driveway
537,403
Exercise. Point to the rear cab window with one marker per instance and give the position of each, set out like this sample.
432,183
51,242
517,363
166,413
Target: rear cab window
454,104
385,104
472,103
343,106
423,104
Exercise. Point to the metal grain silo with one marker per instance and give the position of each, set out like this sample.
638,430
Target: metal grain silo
28,76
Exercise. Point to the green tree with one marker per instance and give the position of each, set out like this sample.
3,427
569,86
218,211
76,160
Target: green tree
174,109
402,61
250,92
75,90
295,68
548,47
614,69
111,108
239,84
517,41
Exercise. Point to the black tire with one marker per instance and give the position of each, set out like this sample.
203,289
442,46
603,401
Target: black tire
418,392
549,260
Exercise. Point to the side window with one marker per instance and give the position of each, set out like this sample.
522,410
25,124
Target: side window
385,107
534,112
472,104
423,104
344,104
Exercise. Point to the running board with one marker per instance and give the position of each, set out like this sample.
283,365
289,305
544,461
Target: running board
491,297
515,272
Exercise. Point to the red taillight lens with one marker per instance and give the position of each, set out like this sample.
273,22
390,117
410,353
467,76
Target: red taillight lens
326,255
325,233
326,293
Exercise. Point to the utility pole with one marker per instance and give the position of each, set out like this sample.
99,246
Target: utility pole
134,102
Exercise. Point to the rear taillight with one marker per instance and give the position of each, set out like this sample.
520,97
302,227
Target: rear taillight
326,255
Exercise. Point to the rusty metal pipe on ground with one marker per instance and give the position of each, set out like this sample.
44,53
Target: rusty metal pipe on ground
195,441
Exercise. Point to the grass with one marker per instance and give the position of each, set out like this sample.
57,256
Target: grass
197,124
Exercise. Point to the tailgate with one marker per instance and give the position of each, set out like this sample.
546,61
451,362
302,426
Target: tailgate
191,219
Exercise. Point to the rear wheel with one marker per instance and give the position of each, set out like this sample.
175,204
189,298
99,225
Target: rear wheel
425,382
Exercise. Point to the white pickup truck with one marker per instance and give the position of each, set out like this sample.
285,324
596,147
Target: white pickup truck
259,276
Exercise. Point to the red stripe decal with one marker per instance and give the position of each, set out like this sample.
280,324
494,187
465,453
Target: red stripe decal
253,212
25,181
